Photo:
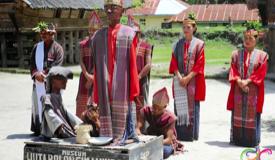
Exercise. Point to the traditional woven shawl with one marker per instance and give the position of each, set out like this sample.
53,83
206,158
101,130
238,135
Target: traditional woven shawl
39,86
143,48
184,97
181,102
245,104
113,116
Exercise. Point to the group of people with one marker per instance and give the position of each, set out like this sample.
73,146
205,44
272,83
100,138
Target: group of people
114,84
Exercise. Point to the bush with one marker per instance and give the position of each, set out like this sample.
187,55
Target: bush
235,37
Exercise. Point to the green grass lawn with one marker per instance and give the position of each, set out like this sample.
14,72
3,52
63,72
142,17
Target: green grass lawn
216,52
162,53
203,28
211,29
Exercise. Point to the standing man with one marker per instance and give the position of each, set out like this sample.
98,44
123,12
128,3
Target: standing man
86,80
144,54
116,79
45,54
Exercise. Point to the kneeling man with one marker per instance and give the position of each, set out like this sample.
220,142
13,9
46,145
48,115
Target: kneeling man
161,122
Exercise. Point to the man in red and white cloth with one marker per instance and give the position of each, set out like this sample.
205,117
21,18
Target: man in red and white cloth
116,79
45,54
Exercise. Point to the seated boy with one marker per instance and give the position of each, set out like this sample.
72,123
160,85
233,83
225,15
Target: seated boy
56,120
161,122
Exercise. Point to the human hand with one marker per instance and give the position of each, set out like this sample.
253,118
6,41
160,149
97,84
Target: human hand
239,82
184,81
245,89
39,77
90,77
245,82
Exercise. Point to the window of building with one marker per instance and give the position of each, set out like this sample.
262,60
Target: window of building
58,13
142,22
166,25
81,14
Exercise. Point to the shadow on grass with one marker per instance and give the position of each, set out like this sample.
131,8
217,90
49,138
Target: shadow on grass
223,74
272,147
269,87
269,125
222,144
20,136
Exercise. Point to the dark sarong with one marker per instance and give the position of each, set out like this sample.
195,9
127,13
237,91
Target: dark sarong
84,94
186,62
245,119
190,132
246,137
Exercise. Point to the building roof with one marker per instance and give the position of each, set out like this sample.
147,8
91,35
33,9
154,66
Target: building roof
170,7
218,13
7,1
159,7
252,4
70,4
65,4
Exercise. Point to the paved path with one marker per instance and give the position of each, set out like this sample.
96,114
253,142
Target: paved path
15,110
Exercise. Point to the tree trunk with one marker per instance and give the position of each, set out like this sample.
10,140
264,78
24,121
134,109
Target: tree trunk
3,50
271,50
